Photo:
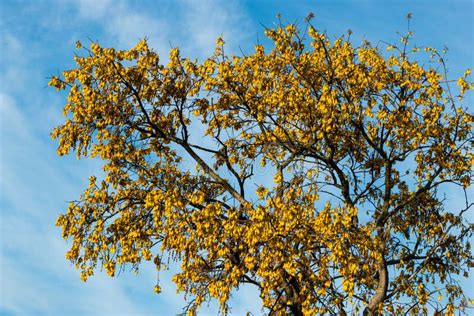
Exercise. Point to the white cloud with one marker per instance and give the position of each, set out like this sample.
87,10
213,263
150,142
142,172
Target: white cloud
34,276
191,25
123,23
94,9
12,61
128,28
10,117
35,184
206,20
10,45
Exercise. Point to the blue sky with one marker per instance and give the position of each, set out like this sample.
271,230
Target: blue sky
37,41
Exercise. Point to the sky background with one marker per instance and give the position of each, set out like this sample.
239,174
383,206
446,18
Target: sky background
37,41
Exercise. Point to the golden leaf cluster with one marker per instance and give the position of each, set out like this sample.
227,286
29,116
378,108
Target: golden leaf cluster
358,141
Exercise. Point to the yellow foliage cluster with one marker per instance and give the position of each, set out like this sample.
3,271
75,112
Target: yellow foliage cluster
328,118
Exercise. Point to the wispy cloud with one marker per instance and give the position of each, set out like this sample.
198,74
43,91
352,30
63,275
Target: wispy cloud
124,24
206,20
35,184
37,41
94,9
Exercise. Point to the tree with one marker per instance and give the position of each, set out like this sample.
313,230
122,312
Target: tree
360,143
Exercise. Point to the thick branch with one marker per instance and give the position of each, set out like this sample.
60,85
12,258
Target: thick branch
212,173
381,290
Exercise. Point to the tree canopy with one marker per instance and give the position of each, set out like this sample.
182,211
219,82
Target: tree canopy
358,142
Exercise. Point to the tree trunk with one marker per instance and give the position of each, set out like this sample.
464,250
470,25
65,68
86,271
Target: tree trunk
296,310
381,290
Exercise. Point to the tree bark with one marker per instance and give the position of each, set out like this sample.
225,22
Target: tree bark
381,290
296,310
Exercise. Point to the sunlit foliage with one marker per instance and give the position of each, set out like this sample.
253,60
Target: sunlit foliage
358,139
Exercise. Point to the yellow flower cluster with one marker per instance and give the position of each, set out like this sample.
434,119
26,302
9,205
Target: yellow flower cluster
333,121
